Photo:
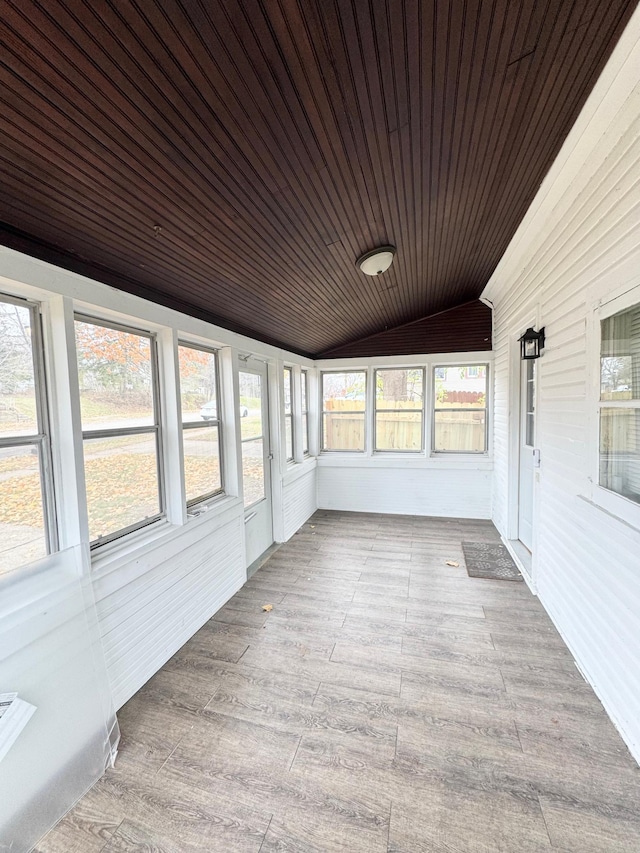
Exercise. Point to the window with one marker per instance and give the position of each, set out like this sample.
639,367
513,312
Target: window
460,409
305,412
288,412
620,403
254,430
343,410
201,430
118,377
399,409
27,521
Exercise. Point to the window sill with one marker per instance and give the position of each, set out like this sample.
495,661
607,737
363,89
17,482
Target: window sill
452,461
206,505
616,506
161,535
295,470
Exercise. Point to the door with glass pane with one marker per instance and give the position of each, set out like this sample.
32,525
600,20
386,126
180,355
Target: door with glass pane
527,444
256,459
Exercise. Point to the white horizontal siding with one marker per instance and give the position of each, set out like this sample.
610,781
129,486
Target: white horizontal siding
148,608
579,243
299,501
448,492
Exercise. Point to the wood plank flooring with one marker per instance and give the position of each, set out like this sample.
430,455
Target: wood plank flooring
387,704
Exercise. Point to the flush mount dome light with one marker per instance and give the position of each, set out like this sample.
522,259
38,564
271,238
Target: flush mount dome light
377,260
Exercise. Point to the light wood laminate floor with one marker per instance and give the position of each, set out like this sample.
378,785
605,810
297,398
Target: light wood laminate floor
388,702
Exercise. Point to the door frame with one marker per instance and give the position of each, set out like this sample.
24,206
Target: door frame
526,562
263,368
524,448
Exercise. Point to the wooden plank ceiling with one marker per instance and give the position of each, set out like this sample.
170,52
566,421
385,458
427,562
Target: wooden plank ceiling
233,159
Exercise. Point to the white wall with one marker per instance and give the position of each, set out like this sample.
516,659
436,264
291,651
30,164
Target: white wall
455,485
299,497
154,589
150,602
577,248
50,655
414,489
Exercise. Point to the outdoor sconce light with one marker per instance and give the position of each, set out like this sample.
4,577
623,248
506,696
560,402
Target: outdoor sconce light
376,261
532,344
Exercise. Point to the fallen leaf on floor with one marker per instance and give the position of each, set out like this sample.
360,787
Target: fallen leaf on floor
453,563
312,526
267,607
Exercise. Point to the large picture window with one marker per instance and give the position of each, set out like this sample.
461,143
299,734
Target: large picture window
201,430
460,409
27,520
620,403
118,377
399,409
343,410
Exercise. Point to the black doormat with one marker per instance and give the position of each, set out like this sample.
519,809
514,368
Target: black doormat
489,560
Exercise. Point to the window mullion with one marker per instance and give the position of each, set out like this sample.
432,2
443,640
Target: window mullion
68,462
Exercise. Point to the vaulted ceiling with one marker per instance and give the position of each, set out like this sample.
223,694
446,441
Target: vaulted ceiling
233,159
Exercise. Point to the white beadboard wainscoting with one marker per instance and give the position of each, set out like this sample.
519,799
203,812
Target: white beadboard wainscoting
299,496
152,601
405,487
577,249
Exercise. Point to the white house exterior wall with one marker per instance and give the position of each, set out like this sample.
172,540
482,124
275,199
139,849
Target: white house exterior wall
578,247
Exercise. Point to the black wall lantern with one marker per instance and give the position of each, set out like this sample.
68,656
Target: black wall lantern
532,344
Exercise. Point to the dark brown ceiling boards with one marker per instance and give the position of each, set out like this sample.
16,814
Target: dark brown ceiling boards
234,159
467,328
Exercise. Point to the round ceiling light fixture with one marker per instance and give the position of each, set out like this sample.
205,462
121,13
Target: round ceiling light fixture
377,260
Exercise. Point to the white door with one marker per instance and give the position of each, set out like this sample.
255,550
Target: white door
527,445
256,459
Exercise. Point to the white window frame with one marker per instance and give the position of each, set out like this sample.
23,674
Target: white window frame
42,439
457,453
304,409
288,416
217,422
422,411
113,432
617,505
363,412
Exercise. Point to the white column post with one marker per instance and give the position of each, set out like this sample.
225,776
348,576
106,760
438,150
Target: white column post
66,425
172,450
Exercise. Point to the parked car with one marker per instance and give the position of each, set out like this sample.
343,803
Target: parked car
209,412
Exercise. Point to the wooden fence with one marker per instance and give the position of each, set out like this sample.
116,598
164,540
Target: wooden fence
460,431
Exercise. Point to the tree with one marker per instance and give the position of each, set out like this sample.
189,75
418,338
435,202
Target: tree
197,375
16,359
112,360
